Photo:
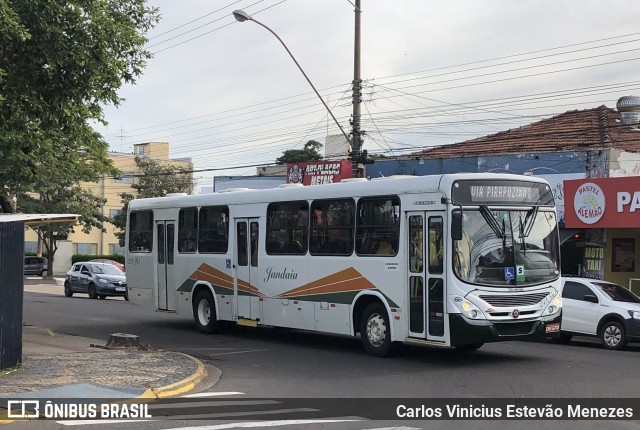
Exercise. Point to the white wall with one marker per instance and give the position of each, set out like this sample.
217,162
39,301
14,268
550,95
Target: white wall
62,260
221,183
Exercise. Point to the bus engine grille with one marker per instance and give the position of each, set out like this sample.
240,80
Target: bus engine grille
504,300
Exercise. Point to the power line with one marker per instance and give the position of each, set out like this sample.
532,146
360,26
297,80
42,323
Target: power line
216,29
192,21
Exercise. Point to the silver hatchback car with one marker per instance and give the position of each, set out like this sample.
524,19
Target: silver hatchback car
599,308
99,280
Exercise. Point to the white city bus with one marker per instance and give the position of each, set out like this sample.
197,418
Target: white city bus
449,260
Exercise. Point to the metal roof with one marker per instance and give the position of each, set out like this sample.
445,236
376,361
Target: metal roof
34,219
578,130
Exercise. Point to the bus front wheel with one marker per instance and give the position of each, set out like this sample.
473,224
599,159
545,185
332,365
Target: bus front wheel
375,331
204,312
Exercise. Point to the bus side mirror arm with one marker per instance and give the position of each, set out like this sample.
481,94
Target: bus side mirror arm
456,225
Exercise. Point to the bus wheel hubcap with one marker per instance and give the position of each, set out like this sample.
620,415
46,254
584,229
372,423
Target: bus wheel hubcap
376,330
204,312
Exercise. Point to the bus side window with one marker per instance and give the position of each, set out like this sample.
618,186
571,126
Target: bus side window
140,231
436,244
213,229
378,221
288,224
332,226
188,230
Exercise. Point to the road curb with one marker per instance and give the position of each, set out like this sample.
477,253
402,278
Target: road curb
180,387
175,389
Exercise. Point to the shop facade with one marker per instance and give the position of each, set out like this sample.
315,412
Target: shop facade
604,213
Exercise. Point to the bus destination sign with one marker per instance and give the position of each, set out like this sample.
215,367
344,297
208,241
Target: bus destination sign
500,192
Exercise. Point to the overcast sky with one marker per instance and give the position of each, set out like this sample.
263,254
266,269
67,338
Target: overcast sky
227,94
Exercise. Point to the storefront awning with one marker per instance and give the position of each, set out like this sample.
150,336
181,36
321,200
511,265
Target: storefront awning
38,219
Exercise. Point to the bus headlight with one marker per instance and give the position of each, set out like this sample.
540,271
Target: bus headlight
468,309
555,304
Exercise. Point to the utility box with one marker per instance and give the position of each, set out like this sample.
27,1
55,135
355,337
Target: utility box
12,280
11,292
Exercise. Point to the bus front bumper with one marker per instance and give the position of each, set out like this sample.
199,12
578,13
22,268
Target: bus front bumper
464,331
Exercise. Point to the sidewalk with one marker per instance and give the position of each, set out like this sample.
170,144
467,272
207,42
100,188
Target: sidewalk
62,366
57,365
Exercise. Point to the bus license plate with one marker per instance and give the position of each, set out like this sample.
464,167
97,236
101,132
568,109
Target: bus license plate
125,289
552,328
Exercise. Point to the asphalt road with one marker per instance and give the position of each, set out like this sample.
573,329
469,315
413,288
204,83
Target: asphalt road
278,363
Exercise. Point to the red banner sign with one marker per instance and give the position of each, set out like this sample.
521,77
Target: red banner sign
318,172
602,203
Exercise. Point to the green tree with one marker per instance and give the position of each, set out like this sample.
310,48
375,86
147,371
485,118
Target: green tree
308,153
155,180
57,198
59,192
61,62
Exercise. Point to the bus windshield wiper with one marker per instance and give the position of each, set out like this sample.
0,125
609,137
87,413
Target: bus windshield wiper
492,221
526,225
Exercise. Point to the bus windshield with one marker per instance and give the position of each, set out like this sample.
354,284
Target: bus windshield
501,247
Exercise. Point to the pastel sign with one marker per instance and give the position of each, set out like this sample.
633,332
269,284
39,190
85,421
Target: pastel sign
602,202
589,203
628,201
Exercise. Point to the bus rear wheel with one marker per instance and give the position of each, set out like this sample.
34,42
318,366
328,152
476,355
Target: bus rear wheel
204,312
375,331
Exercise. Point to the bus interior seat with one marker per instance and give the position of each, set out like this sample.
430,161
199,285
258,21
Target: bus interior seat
333,247
274,247
385,248
293,248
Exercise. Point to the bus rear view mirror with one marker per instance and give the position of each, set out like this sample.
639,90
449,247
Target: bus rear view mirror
456,225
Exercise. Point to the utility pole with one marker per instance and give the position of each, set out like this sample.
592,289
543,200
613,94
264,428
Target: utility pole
356,133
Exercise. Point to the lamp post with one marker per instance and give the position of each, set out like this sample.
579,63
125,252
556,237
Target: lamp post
242,16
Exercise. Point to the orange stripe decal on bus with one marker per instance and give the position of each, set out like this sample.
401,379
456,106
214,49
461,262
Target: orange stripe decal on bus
344,281
216,277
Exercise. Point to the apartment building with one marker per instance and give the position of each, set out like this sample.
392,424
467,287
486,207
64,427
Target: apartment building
98,242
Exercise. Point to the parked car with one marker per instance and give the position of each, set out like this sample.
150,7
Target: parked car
599,308
99,280
107,261
35,266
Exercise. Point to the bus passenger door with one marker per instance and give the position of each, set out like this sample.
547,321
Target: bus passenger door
427,288
246,273
165,234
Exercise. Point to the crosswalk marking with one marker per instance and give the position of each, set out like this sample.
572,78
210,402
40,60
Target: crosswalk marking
396,428
212,394
214,404
235,414
86,422
253,424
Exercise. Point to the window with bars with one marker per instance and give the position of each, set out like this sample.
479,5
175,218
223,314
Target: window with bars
85,248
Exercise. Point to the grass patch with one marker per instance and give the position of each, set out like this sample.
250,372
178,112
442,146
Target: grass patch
9,370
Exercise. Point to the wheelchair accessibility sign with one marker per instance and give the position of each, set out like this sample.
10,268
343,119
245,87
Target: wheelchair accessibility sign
509,273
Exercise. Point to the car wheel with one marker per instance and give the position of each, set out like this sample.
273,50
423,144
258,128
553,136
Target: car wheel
375,331
612,335
68,292
93,294
204,313
469,347
126,297
43,273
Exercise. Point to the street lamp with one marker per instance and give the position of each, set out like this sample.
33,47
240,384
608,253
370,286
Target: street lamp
243,16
